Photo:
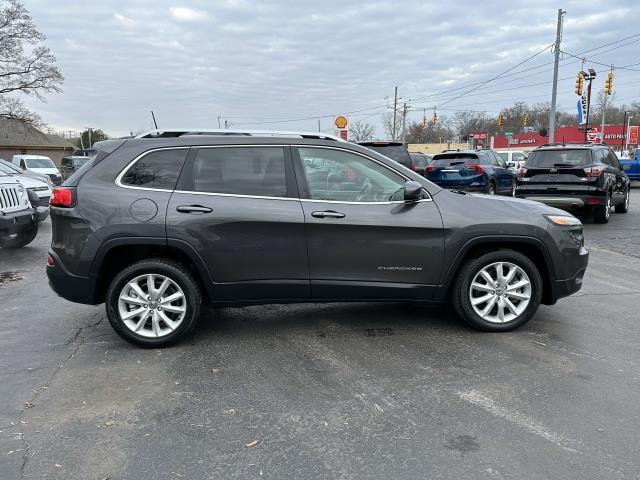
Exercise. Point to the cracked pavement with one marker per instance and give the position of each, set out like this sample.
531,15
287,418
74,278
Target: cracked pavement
327,391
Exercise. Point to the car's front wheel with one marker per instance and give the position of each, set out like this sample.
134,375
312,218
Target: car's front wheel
497,291
153,303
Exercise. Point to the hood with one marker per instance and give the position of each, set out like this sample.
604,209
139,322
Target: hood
519,204
45,171
29,182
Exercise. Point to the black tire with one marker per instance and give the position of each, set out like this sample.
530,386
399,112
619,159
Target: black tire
461,298
603,213
624,206
491,188
20,239
166,268
514,186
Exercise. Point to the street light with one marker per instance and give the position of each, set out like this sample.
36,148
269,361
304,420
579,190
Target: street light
590,77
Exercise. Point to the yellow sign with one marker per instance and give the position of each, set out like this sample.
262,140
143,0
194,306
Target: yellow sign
341,121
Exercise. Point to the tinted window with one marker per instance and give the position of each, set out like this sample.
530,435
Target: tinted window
518,157
159,169
258,171
454,159
504,155
342,176
558,158
399,153
613,160
419,160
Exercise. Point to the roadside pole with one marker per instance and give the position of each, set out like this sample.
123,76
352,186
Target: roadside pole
604,108
395,108
624,123
554,91
404,121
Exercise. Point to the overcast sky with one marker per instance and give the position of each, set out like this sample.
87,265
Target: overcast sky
264,61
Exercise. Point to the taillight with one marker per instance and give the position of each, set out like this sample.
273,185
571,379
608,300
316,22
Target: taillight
50,261
522,171
475,167
61,197
429,168
594,171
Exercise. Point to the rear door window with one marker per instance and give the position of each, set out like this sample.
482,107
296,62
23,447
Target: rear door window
252,171
454,159
158,169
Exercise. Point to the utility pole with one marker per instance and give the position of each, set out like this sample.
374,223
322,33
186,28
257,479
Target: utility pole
155,124
554,91
318,124
604,107
404,120
626,133
395,107
218,121
624,123
592,75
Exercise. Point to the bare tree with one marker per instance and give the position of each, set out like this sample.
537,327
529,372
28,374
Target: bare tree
361,131
27,66
391,132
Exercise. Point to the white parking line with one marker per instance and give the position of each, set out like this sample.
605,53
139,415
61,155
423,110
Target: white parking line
514,416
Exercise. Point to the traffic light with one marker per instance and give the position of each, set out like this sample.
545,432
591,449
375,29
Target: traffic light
499,119
579,83
434,119
525,120
424,120
608,83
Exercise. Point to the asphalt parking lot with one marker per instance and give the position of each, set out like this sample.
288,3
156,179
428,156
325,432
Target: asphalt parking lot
327,391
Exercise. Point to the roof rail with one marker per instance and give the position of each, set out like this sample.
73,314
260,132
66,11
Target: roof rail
182,132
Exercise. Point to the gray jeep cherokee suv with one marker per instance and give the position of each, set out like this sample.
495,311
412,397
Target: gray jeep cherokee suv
154,227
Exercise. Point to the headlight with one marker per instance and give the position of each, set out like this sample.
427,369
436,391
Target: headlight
566,220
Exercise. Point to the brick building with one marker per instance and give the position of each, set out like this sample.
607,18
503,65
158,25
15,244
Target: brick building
17,138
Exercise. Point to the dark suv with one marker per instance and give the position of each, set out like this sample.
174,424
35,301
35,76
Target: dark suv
153,227
576,178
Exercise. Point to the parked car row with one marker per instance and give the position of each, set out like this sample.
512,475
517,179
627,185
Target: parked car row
588,178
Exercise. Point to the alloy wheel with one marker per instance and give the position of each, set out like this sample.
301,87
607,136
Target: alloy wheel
500,292
152,305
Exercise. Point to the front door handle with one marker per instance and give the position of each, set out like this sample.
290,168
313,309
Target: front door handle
327,214
193,209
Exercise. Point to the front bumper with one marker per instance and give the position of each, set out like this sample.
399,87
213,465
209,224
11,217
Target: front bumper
568,286
69,286
11,223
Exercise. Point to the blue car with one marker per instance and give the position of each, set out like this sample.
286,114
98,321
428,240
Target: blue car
631,166
472,171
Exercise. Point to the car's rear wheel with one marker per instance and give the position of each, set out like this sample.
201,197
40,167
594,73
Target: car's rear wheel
491,189
603,213
498,291
624,206
20,239
153,303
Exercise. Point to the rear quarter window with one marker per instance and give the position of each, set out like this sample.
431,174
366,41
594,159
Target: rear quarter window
159,169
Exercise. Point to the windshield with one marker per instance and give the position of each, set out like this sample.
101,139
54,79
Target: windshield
39,163
10,167
5,170
558,158
78,162
394,152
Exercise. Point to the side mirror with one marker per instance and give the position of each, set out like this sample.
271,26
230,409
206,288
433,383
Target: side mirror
412,191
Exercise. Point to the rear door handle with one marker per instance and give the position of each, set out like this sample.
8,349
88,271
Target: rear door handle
327,214
193,209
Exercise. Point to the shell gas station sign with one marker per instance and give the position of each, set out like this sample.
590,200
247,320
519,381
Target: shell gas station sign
342,122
